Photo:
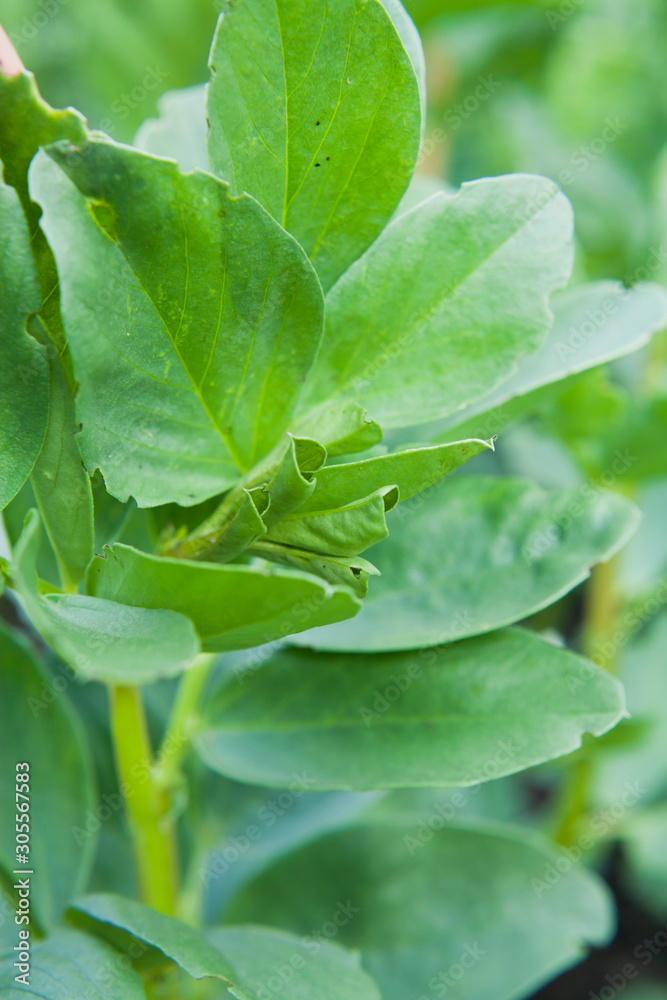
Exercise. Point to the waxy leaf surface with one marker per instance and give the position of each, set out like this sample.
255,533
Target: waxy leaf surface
62,486
479,553
24,374
399,720
179,942
232,607
192,353
446,300
314,110
325,972
39,727
102,639
70,964
593,324
417,906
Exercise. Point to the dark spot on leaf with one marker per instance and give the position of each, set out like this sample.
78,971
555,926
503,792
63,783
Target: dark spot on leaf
317,123
328,157
317,164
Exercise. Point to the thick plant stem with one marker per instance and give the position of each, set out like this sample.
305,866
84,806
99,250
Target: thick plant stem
153,833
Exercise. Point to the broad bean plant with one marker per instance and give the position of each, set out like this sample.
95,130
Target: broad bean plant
240,364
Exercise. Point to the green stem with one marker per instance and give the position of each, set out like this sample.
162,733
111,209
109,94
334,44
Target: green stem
602,613
153,833
182,723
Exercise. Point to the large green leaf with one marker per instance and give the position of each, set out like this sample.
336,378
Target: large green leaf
497,911
314,109
398,720
593,324
242,956
180,943
39,727
62,486
412,42
70,964
480,553
262,957
102,639
24,375
26,123
440,308
233,607
192,354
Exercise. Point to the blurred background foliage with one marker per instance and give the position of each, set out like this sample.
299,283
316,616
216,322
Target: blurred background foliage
576,90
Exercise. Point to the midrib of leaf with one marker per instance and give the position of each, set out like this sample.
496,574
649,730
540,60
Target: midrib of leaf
247,366
404,720
194,386
426,316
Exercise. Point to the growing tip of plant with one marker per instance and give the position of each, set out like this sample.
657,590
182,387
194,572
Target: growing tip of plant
10,63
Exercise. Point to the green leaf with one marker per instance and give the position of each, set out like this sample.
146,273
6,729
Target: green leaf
412,43
26,123
192,355
324,972
24,376
62,486
39,727
102,639
410,469
232,607
399,720
419,901
593,324
346,571
343,428
480,553
440,308
180,943
292,482
70,964
314,110
347,531
242,956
